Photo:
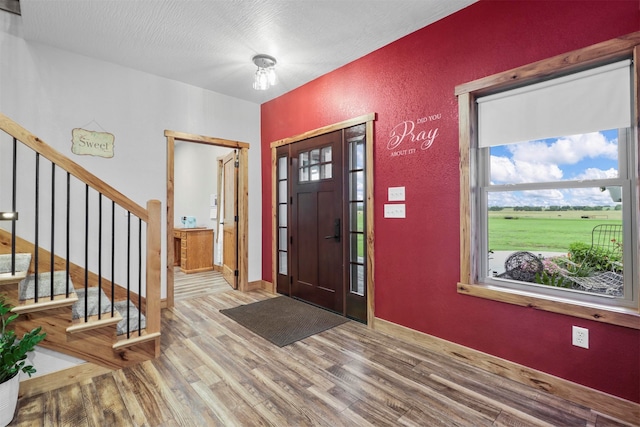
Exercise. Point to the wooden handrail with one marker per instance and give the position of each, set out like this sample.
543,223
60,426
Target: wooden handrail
39,146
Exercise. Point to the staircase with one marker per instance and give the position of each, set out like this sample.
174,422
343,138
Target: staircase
94,284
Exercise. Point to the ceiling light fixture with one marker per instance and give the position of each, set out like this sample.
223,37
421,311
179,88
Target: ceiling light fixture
266,72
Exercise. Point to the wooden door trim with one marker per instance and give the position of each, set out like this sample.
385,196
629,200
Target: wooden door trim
243,195
368,120
325,129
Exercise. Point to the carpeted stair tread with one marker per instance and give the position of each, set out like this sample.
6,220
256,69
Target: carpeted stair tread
22,262
121,306
26,287
78,309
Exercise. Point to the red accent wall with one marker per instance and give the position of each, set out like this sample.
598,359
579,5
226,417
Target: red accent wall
417,259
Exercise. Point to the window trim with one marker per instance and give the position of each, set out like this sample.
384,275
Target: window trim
617,49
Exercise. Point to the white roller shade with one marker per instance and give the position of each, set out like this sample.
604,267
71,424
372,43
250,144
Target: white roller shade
588,101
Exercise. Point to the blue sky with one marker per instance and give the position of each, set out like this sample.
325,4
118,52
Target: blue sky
576,157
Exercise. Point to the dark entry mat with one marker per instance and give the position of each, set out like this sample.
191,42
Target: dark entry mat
283,320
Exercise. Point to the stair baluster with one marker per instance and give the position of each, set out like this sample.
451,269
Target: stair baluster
86,252
113,254
53,223
37,234
68,243
13,206
99,254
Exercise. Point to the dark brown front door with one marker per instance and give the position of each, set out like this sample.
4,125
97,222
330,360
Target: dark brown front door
317,241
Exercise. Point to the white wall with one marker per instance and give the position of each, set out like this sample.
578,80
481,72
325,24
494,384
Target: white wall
50,91
195,181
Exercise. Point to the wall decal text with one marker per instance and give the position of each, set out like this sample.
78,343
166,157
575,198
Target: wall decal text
409,136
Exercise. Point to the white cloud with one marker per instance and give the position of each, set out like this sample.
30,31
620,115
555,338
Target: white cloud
595,173
567,150
504,169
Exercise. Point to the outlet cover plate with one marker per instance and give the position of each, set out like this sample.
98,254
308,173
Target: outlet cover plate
580,337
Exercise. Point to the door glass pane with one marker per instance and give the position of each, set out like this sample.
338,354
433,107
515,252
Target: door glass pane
357,247
315,173
315,156
282,168
357,216
282,239
282,215
326,171
282,262
356,186
357,279
282,192
356,160
326,154
304,174
304,159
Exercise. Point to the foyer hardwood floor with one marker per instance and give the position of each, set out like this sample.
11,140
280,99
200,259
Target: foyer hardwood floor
196,285
213,372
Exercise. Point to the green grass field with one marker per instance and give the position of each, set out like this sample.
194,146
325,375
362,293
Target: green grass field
545,230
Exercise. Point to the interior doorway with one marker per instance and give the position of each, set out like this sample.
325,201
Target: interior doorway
241,258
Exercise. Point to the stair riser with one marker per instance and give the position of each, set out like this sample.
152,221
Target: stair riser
93,346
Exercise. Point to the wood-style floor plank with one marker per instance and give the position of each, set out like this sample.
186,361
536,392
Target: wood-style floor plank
214,372
30,411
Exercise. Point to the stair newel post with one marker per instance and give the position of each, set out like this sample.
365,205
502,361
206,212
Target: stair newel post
153,269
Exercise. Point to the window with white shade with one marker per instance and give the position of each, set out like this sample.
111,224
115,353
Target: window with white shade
554,205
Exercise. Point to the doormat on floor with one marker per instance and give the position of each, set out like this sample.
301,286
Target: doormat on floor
283,320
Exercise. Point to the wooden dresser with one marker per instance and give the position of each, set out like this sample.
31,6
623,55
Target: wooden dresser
193,249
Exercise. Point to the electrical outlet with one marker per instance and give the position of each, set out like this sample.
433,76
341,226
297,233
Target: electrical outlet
580,337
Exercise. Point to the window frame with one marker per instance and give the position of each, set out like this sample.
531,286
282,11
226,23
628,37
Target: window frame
626,47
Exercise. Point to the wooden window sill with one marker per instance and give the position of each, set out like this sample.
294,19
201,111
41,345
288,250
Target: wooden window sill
616,316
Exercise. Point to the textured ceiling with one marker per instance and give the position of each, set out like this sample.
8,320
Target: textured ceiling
210,43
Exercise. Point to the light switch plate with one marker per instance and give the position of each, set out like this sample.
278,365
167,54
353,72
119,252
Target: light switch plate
395,211
396,194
